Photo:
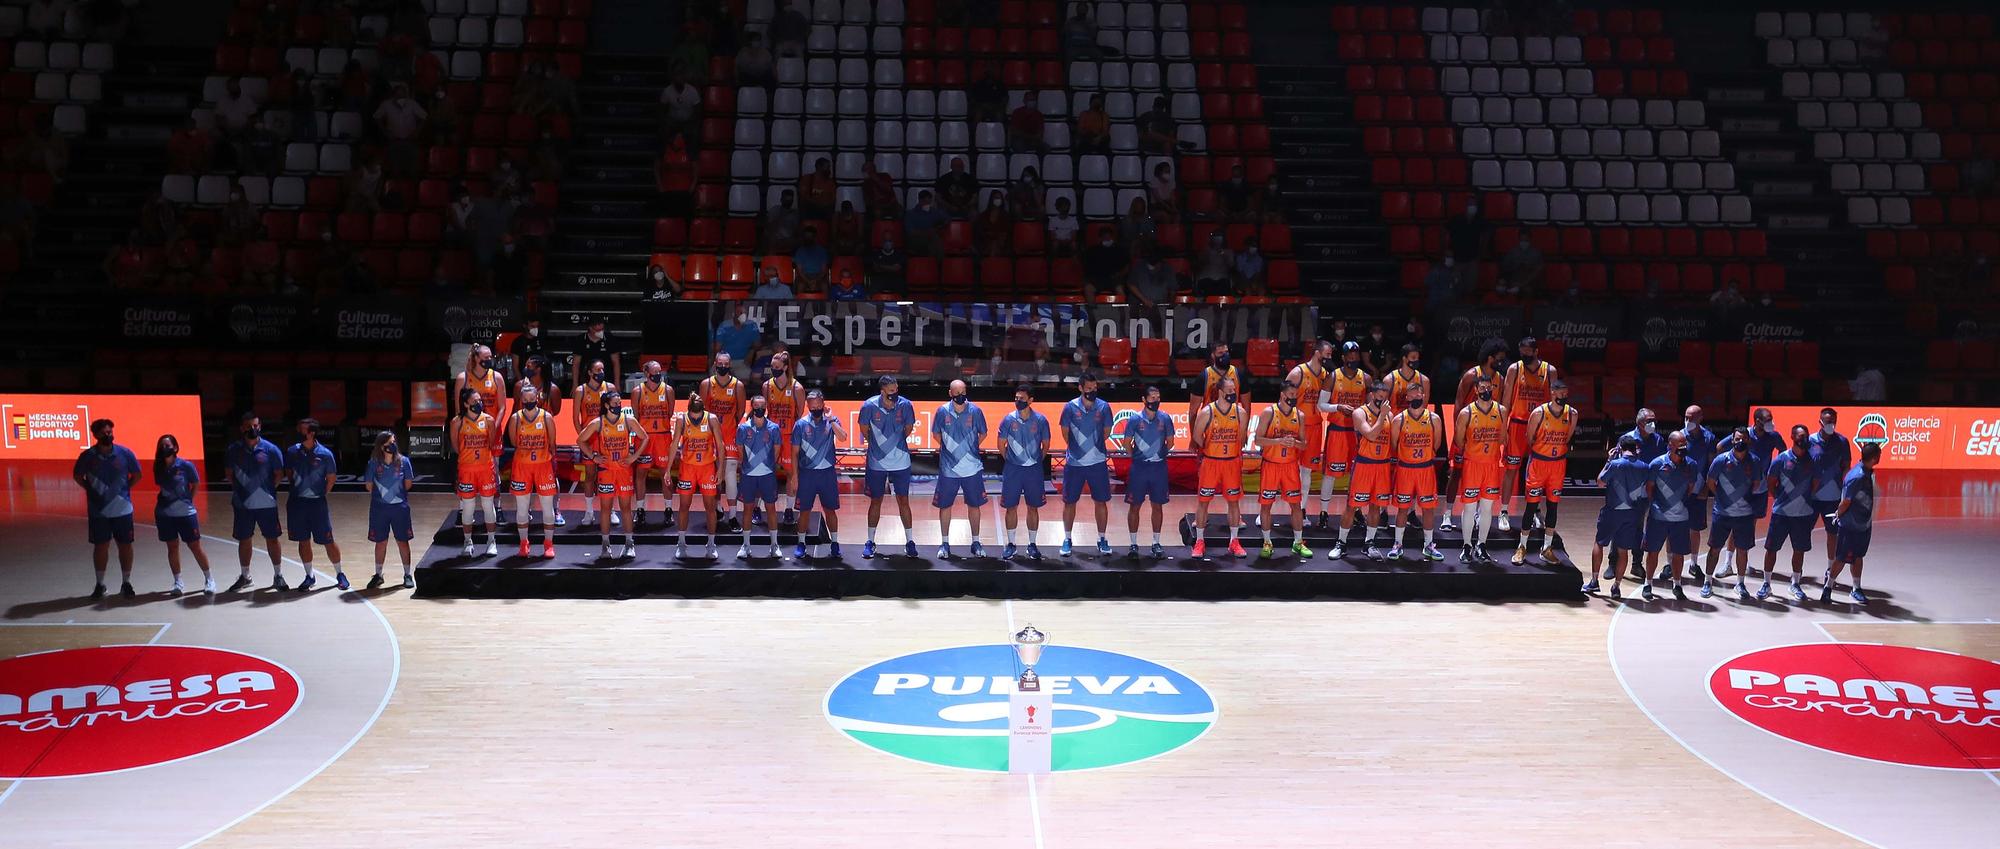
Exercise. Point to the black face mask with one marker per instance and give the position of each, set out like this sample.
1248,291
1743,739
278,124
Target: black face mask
389,449
486,363
1290,401
1229,399
1152,405
597,377
1022,405
958,399
653,378
252,432
103,440
1090,395
817,414
757,412
1353,362
1416,404
477,407
532,405
721,371
1221,361
1485,394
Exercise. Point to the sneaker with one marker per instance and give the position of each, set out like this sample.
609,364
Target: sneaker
638,517
868,550
1447,525
1236,548
757,519
680,551
1323,521
548,549
1707,589
1009,552
560,521
1376,553
375,583
466,551
909,549
1396,552
1338,551
1646,591
1548,553
1742,592
1725,569
307,584
1590,588
1503,524
492,548
1158,552
1680,594
944,552
524,545
1299,548
978,550
799,551
833,549
1200,550
1826,594
1034,552
743,551
1468,553
668,521
178,588
1616,589
1764,591
278,583
1431,552
339,580
208,585
614,518
1798,592
125,590
1103,547
1066,548
791,517
1265,552
243,583
1520,556
711,550
1133,551
409,581
1858,596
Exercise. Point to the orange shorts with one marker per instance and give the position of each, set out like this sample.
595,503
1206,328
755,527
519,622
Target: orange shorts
729,449
697,478
658,451
1220,477
1339,449
614,479
1545,479
1480,479
538,477
1517,443
478,481
1417,485
1315,435
1370,484
787,457
1280,482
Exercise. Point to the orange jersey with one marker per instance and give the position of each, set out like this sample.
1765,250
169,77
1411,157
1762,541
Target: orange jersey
1416,439
654,405
476,439
488,389
535,444
1311,381
1223,440
1484,433
1211,382
782,405
1551,440
1531,389
725,402
590,401
1375,448
1277,425
701,442
1400,383
615,439
1349,390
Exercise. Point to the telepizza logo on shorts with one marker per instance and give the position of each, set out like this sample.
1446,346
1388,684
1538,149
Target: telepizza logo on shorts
1895,704
949,707
113,708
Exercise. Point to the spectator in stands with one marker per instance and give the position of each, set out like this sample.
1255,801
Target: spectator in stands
239,222
673,172
848,287
1468,234
993,228
506,179
789,28
1869,385
886,267
1728,299
1028,195
1157,129
1271,203
878,190
849,231
442,123
811,262
737,337
44,18
1439,282
1521,269
1236,195
131,265
817,190
364,185
597,346
754,61
680,107
690,52
235,112
1138,226
400,119
1104,266
921,225
458,216
540,91
1252,273
1377,352
545,159
189,149
659,285
508,275
987,96
1024,125
1164,194
1093,127
301,102
357,87
1214,269
773,288
781,225
1062,230
816,367
957,191
1079,35
1150,282
267,142
1338,336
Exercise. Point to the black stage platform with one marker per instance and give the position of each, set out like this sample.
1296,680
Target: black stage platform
576,571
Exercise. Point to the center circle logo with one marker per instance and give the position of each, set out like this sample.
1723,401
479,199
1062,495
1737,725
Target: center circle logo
112,708
1895,704
949,707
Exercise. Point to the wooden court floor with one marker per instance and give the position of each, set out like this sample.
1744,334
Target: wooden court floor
694,723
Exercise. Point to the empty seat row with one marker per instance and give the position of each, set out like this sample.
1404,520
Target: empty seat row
1592,174
1835,85
503,32
923,169
1633,209
1922,242
491,8
1864,114
1953,51
1145,44
1868,212
896,134
1589,111
1602,143
1883,145
1543,50
1879,177
1147,15
1811,24
60,86
1930,211
1124,76
832,11
1812,52
1491,80
63,56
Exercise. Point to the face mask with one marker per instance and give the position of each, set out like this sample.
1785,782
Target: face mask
1766,427
1153,405
597,377
534,332
1528,360
531,404
721,371
659,275
1229,399
252,432
1826,428
958,399
1648,428
1412,365
104,440
1353,362
612,410
1221,361
818,414
1678,451
653,378
1415,403
1022,405
477,407
889,397
1485,394
1290,400
486,362
389,449
1741,451
694,411
757,412
1089,396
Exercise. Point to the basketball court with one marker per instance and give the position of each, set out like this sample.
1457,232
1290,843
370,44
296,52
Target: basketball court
374,718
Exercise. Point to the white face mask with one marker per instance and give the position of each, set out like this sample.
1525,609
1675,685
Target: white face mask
534,332
1826,428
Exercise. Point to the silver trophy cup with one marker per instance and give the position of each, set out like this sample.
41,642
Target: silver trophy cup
1028,645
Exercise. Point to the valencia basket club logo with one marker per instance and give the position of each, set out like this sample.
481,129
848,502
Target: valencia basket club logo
1894,704
949,707
114,708
1873,429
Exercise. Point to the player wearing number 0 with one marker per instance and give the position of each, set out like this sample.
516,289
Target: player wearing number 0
787,401
1346,389
653,404
586,407
817,481
107,471
1526,389
1550,428
1416,436
475,438
1854,523
533,475
312,470
1147,438
757,437
1281,438
1669,491
1478,436
1217,434
959,427
612,441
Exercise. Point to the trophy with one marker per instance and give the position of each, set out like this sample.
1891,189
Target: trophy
1028,645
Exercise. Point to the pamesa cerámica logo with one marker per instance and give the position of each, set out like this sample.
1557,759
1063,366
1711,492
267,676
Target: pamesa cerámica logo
948,707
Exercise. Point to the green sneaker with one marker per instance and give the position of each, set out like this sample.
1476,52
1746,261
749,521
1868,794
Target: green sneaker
1299,548
1265,552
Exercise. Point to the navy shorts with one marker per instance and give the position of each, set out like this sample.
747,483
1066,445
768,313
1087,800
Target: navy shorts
1851,545
1697,514
1795,529
308,520
1824,509
1733,532
823,484
387,519
1022,482
876,483
183,528
754,488
1146,482
252,521
1078,478
1760,504
1671,535
1618,529
948,490
103,530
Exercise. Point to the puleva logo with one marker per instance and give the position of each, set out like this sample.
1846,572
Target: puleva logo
114,708
949,707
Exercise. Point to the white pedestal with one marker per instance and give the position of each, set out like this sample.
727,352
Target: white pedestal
1030,732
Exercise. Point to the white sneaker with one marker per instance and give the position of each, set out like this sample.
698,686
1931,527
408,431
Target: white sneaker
208,585
492,548
711,551
614,518
467,550
1504,524
743,551
1727,567
178,588
606,553
680,550
631,551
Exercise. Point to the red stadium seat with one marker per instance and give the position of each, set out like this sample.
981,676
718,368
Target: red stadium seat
1263,357
1731,359
1114,355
